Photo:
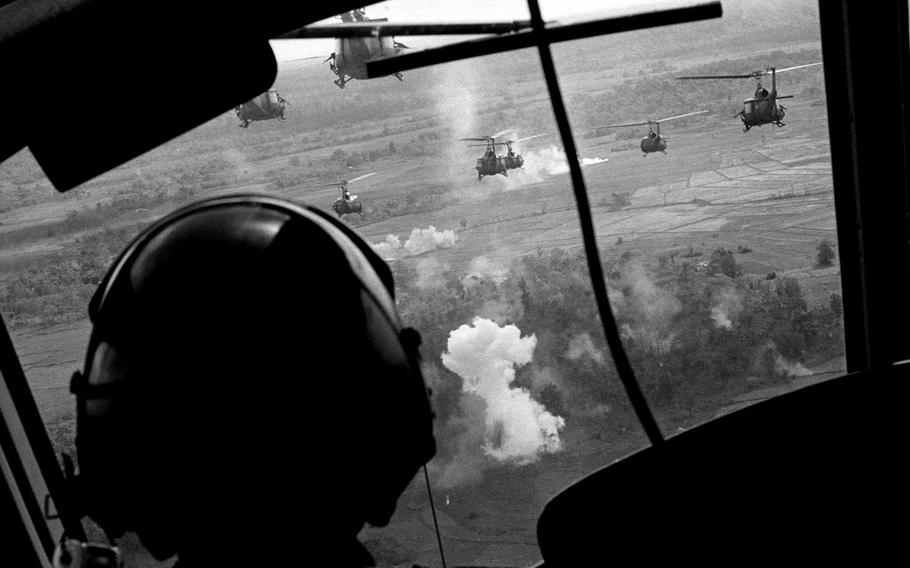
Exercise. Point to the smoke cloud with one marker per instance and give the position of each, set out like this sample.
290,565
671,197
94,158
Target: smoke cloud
516,428
430,272
727,304
771,363
420,241
482,268
552,161
582,346
790,368
648,308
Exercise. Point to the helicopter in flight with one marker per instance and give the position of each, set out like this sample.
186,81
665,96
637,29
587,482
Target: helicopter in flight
490,163
360,40
349,59
267,106
346,203
653,142
763,107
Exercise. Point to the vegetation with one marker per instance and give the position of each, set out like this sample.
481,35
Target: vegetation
59,290
690,336
825,255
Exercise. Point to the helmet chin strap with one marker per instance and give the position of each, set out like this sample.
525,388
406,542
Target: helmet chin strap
74,553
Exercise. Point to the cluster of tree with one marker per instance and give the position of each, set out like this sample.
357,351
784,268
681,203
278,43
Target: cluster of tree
59,288
430,198
342,160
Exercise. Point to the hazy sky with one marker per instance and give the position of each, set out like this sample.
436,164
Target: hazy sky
471,11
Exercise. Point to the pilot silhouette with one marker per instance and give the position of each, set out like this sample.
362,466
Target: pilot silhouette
218,416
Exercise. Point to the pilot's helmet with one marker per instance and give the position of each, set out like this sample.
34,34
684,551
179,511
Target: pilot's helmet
220,388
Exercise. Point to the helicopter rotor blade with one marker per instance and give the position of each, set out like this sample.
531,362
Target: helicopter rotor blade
361,177
484,139
624,125
797,67
529,137
321,185
744,76
681,115
498,134
779,97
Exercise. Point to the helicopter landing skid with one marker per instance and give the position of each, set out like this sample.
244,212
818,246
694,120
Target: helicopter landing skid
340,82
398,76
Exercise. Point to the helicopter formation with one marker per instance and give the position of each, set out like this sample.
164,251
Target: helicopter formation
349,60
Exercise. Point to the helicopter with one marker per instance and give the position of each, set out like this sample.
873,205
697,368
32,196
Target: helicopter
351,53
266,106
490,164
360,40
763,107
346,203
654,142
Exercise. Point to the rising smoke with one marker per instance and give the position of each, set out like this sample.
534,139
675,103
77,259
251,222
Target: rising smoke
419,242
648,309
581,346
483,268
538,165
726,305
516,429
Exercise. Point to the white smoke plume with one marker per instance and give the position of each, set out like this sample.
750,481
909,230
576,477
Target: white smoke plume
552,161
430,272
582,346
388,248
539,164
790,368
770,362
727,304
517,428
482,268
456,93
649,308
429,239
420,241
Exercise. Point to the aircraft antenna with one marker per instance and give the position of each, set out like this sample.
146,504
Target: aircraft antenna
442,554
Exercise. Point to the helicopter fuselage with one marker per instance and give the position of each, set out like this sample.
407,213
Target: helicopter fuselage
349,60
266,106
342,207
352,54
762,110
491,165
653,144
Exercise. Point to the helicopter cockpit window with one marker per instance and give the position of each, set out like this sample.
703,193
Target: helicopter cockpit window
717,246
719,237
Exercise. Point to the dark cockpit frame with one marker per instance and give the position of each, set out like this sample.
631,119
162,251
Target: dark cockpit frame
843,438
